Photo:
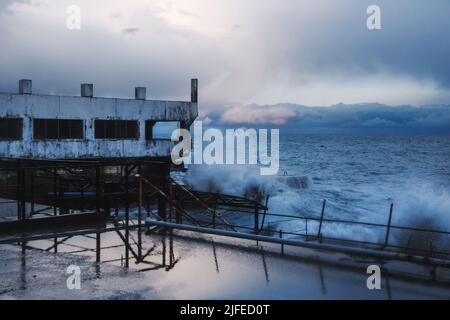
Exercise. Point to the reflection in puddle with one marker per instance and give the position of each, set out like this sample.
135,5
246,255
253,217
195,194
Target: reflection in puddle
176,266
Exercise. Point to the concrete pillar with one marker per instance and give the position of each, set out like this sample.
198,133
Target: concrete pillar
87,90
25,86
140,93
194,90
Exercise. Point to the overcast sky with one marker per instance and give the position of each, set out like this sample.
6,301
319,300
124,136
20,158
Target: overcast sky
243,51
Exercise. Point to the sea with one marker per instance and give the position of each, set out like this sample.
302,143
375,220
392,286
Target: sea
360,175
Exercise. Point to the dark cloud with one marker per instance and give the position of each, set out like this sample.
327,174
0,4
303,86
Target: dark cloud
58,59
254,51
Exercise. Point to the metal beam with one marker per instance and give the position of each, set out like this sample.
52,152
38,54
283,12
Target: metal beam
299,243
63,234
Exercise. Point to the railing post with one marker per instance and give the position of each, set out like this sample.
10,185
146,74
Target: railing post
82,199
24,194
55,201
264,213
214,213
282,245
256,227
388,230
431,248
97,247
306,224
319,233
55,191
97,189
31,192
19,208
21,215
148,209
170,200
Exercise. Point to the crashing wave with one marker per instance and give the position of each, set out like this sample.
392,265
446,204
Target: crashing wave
242,181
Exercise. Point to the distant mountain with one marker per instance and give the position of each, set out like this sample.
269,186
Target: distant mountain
340,116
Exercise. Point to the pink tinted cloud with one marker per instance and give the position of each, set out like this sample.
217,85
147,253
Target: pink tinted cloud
257,115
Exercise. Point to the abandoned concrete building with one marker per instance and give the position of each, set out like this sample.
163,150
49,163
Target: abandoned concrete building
76,159
36,126
70,165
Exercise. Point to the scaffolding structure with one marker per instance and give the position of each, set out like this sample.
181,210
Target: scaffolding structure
59,200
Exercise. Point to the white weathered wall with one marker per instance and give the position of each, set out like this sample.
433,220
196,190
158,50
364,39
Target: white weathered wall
89,109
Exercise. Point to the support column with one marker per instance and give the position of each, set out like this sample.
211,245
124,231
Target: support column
256,228
98,248
127,217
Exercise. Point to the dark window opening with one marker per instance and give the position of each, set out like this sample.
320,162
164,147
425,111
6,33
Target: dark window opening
58,129
11,128
116,129
160,130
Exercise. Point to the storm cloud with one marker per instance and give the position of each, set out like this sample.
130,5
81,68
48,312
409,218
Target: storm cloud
254,51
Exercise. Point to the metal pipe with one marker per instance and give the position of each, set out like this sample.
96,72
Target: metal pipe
299,243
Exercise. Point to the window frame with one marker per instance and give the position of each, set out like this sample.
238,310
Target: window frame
120,126
57,135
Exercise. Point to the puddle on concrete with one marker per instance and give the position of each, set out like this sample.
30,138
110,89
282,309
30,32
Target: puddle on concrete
182,268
